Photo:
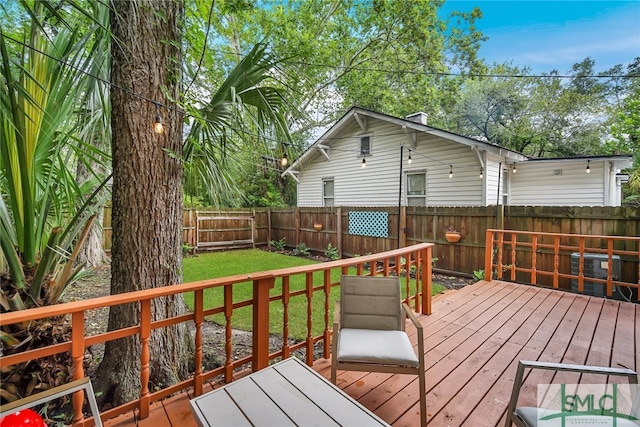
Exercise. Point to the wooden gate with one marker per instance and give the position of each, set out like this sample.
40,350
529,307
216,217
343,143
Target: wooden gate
224,232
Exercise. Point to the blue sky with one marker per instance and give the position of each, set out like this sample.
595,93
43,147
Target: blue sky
547,35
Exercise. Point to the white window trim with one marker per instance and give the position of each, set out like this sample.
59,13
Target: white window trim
406,194
324,197
365,135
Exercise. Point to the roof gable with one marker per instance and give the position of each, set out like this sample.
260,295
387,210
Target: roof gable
363,117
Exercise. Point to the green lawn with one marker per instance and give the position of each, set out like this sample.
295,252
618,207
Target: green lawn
220,264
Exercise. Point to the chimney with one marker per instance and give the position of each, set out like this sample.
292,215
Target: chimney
419,117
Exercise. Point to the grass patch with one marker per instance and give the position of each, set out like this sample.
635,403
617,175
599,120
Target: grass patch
220,264
437,289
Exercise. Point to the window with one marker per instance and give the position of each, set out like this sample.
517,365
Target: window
417,188
505,186
365,145
327,192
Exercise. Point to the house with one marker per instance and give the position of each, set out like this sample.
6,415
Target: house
373,159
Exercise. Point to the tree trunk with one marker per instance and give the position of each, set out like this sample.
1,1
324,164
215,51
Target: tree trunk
147,191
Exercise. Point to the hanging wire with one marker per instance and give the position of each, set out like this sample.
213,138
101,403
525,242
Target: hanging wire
443,74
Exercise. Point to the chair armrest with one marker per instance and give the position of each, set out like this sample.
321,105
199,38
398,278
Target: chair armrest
419,332
55,393
45,396
412,316
585,369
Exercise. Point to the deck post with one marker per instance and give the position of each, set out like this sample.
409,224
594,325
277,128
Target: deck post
426,267
77,355
260,356
198,319
488,255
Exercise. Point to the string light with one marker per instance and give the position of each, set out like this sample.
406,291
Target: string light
588,166
481,173
158,127
284,161
409,160
450,171
364,163
514,168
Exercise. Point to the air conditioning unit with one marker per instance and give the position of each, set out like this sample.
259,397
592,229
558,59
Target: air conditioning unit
596,266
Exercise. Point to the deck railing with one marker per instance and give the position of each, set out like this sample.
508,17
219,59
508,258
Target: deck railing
607,264
413,262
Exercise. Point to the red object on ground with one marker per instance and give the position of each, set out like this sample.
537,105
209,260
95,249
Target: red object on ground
23,418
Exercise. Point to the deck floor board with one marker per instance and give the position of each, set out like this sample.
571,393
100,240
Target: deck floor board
473,341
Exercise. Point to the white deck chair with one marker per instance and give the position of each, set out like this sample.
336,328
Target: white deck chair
369,332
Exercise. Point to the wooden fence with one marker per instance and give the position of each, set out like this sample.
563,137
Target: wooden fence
319,227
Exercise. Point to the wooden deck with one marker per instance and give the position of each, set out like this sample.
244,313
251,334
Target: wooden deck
473,341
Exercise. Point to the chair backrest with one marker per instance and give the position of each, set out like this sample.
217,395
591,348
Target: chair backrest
368,302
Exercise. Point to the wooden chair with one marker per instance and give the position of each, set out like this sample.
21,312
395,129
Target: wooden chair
55,393
528,416
369,332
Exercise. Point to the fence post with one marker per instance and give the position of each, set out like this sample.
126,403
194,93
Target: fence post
260,356
339,230
296,222
402,235
269,238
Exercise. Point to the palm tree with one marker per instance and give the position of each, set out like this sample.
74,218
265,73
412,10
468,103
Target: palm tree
44,213
248,111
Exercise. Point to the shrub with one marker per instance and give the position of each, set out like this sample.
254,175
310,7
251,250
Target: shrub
478,274
279,245
332,252
301,250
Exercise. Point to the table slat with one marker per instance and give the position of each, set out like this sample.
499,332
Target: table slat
337,404
218,408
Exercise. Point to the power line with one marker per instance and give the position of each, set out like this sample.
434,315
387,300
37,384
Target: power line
451,74
445,73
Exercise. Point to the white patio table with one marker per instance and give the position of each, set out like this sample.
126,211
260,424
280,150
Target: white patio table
287,393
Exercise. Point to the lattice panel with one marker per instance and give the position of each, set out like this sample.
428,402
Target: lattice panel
374,224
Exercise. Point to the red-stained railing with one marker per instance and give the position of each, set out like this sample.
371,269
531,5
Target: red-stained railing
558,260
413,262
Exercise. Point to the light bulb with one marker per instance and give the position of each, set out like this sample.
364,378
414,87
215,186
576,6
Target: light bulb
514,168
158,127
450,171
409,160
588,166
481,172
364,163
284,161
